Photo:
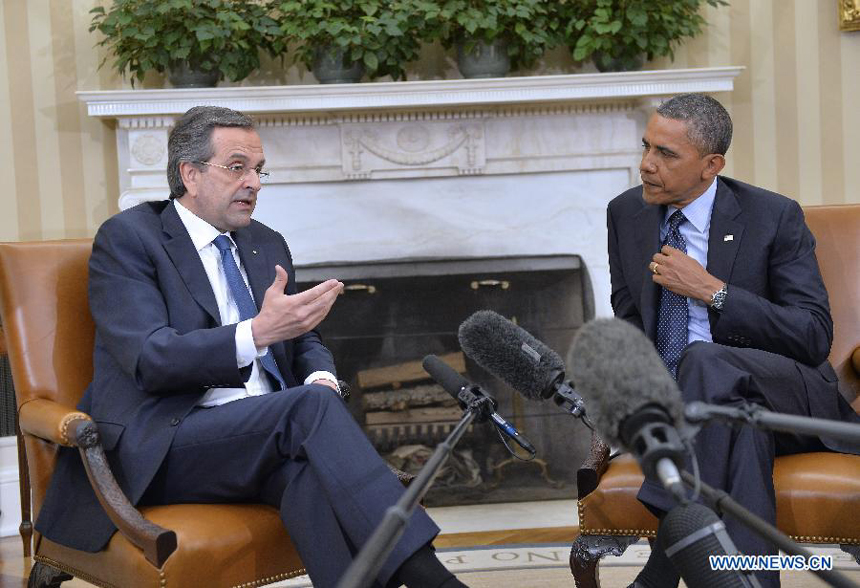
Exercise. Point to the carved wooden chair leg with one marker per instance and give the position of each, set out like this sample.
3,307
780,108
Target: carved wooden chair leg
26,527
586,553
852,550
44,576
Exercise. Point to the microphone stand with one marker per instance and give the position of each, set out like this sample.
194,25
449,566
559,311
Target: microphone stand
364,568
723,503
757,416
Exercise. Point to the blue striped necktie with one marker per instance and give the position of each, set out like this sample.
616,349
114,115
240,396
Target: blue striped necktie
247,308
673,316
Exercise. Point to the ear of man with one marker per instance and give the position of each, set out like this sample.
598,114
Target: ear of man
714,164
190,174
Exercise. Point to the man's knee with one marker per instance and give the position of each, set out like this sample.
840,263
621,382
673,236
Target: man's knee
701,353
312,399
710,372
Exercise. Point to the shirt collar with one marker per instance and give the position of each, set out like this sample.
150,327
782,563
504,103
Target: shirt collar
201,232
697,212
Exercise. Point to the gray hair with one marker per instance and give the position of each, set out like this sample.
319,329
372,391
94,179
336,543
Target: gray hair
709,126
191,139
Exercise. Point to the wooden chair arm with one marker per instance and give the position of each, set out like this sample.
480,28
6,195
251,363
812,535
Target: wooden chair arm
59,424
589,473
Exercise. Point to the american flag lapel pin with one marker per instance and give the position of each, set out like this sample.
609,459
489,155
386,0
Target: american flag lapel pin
728,237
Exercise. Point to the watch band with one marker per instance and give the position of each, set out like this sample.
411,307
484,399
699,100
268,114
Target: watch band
718,298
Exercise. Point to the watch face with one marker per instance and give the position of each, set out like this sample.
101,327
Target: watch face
718,299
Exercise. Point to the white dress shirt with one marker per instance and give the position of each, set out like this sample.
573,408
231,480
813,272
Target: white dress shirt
202,235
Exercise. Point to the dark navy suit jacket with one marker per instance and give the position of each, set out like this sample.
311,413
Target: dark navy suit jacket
159,346
760,246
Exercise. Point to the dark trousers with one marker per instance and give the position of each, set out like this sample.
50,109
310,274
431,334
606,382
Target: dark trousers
301,451
739,460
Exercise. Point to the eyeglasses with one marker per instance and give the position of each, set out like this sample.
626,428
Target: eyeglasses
239,171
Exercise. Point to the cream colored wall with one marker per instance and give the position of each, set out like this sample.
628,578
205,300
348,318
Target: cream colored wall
795,107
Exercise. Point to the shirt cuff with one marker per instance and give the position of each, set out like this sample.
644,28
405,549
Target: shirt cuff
323,375
246,351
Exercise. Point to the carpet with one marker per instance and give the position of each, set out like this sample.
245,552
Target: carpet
546,565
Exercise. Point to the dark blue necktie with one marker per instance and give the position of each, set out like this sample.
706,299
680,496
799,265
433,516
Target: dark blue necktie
247,309
673,315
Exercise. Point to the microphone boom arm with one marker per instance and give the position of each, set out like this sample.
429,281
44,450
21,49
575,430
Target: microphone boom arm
760,417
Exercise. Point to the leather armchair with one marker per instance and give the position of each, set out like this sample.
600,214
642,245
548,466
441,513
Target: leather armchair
49,338
814,491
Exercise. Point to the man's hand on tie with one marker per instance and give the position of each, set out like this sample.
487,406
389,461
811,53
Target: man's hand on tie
678,272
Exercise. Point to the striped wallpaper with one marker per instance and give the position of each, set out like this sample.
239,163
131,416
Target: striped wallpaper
796,107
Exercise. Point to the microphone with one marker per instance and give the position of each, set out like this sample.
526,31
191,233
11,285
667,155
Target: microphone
690,534
471,397
632,398
513,355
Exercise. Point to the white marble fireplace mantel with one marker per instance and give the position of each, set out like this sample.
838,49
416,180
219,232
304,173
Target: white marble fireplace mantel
451,168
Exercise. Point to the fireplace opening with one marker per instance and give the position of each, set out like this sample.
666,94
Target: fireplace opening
394,313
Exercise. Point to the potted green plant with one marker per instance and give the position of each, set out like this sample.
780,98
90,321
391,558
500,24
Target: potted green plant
209,39
339,40
619,34
502,34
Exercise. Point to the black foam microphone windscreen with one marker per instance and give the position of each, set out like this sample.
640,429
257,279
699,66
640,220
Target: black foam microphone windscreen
450,380
511,353
690,534
618,372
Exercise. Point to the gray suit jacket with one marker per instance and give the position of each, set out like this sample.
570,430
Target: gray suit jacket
159,346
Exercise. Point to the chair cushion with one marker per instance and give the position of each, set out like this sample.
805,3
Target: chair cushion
817,499
219,546
612,509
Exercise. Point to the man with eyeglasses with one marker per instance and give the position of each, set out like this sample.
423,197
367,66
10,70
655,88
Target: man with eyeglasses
210,383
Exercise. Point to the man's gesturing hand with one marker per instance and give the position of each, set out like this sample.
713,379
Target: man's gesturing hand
680,273
285,316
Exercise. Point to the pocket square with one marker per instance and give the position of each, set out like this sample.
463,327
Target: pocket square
728,237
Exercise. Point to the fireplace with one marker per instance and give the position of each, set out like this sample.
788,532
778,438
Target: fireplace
453,180
394,313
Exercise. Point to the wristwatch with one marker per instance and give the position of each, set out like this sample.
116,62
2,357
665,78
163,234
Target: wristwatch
718,298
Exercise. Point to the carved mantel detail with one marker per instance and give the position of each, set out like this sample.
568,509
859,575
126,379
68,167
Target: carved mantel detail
379,130
410,149
468,168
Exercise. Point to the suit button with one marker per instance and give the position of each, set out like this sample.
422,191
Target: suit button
174,421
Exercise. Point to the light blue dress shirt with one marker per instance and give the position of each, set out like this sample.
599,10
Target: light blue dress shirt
695,232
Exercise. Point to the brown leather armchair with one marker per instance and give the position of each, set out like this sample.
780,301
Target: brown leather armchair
49,338
817,494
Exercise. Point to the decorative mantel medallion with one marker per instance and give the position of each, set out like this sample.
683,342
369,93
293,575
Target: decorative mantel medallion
411,149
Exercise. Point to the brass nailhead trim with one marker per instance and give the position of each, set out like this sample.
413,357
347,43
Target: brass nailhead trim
619,532
70,570
584,530
273,579
162,578
64,426
819,539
